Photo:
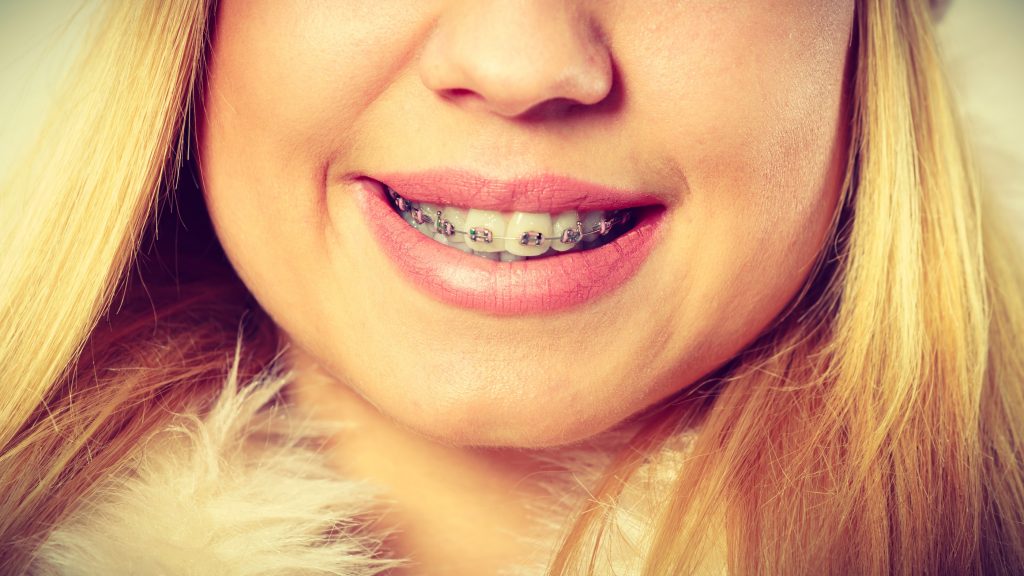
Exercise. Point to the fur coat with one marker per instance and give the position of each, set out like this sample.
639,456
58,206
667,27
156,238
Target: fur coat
243,489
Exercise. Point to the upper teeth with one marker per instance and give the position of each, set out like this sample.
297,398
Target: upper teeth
520,234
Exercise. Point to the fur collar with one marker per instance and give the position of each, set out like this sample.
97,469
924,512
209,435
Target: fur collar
242,489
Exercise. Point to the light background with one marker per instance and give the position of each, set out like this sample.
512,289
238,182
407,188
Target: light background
982,40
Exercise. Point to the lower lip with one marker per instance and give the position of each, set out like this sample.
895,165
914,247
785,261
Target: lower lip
505,288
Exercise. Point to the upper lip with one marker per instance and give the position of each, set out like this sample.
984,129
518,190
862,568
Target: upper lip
538,193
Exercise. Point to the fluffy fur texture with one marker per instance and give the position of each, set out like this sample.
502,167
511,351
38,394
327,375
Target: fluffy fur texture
240,491
243,489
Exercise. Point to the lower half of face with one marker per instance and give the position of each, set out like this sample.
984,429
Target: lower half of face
355,157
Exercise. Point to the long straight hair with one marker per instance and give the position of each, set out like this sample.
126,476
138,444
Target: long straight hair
107,323
876,428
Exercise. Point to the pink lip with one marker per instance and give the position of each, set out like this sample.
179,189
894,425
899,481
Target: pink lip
505,288
543,193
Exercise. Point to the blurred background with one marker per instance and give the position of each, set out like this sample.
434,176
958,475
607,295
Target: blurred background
982,41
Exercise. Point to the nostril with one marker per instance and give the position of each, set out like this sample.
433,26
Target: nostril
458,92
460,96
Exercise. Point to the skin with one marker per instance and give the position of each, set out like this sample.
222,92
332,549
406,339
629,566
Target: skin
731,111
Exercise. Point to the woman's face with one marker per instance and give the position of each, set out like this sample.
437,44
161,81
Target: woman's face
725,119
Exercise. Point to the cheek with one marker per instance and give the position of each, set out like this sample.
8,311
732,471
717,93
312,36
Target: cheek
756,119
300,73
287,84
770,188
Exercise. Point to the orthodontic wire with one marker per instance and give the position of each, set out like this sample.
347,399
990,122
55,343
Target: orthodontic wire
608,223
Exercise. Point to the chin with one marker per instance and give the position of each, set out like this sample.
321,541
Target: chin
505,420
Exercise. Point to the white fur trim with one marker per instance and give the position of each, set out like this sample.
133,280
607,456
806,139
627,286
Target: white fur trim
241,491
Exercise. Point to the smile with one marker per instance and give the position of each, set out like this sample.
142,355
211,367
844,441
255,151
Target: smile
527,246
511,237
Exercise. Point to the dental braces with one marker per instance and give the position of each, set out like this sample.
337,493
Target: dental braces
483,235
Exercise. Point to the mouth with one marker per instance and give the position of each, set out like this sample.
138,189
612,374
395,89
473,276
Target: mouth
528,218
513,247
514,236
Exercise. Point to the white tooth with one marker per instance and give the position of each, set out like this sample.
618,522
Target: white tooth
493,221
520,223
590,221
424,229
462,247
441,238
565,220
429,210
457,216
487,255
507,257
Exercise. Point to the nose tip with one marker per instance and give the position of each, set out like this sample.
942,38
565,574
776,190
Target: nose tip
514,58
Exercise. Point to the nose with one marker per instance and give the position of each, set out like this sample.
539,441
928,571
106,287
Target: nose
511,57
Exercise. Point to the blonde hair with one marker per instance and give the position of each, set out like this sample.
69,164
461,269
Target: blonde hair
875,428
